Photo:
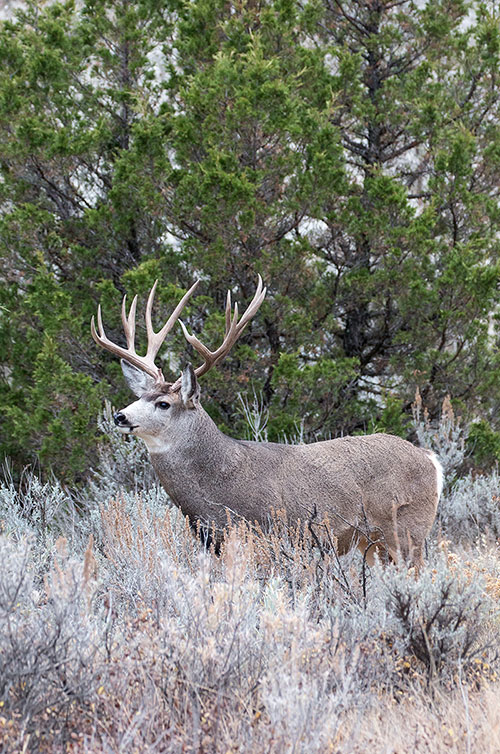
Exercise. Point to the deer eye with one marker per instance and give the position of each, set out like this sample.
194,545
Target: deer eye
163,404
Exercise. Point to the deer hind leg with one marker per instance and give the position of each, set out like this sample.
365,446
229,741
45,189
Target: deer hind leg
414,554
404,540
372,545
401,546
372,549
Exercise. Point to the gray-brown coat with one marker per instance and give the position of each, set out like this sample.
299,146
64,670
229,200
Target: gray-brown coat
376,489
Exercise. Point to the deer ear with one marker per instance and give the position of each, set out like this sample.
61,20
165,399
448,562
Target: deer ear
138,381
190,389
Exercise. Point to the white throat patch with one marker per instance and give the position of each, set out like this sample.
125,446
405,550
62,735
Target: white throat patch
156,444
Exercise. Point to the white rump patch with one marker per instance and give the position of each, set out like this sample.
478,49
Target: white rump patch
439,472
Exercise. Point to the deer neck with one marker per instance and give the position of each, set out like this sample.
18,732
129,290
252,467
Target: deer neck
194,452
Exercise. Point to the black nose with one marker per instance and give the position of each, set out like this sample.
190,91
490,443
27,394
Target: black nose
120,418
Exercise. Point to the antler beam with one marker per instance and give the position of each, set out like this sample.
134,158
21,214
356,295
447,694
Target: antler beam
234,328
155,339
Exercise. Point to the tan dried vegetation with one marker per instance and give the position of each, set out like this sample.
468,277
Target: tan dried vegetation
252,649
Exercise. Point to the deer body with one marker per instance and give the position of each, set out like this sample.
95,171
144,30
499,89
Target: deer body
331,480
369,489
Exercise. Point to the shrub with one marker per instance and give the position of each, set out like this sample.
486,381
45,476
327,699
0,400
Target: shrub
49,641
446,437
471,509
484,444
119,631
440,620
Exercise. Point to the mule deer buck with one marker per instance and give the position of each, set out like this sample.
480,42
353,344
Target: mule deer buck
372,490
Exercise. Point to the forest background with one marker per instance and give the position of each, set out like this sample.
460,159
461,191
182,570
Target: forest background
346,150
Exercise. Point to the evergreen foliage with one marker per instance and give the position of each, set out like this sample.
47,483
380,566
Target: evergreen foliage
349,151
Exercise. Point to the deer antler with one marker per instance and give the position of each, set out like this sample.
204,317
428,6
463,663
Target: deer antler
155,339
234,328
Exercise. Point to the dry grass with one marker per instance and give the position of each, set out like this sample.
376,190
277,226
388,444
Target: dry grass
456,723
271,645
120,633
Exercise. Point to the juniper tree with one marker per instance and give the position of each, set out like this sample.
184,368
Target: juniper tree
346,150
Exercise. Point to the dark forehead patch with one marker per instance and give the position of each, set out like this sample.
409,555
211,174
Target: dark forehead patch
158,392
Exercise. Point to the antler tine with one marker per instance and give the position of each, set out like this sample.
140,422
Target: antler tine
155,340
128,354
259,296
99,322
228,311
129,322
149,325
197,344
93,331
233,330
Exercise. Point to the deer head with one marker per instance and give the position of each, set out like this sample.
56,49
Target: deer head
163,404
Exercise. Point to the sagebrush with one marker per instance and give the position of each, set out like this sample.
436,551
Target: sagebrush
119,630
